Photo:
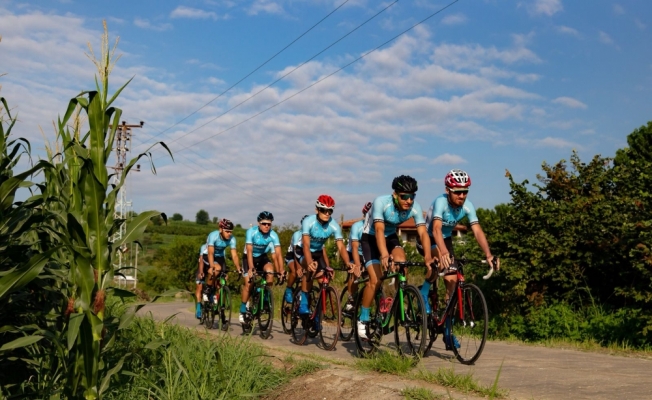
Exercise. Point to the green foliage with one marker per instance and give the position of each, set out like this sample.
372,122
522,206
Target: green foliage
202,217
177,217
181,228
175,265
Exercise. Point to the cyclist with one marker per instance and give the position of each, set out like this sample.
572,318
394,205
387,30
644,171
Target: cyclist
216,243
202,271
379,239
257,238
290,261
315,230
444,213
354,249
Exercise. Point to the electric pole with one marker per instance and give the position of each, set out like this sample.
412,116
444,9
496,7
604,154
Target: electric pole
123,136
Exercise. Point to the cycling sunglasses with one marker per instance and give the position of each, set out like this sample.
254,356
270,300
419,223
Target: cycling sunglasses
325,210
407,196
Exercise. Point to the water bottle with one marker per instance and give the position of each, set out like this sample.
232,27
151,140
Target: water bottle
204,297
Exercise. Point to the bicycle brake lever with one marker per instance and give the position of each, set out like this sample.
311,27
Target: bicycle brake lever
492,267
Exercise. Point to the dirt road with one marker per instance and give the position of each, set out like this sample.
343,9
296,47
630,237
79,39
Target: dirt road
528,372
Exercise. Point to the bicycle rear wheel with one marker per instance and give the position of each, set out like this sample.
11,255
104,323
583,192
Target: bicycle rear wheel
470,327
286,315
224,309
266,314
373,332
209,312
410,323
347,316
328,314
299,324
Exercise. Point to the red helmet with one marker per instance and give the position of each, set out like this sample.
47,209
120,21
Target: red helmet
325,201
226,224
456,178
366,208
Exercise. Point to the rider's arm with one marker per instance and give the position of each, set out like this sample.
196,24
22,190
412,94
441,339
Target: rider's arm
279,259
355,245
305,241
200,269
444,257
343,253
379,227
236,260
250,258
425,241
482,242
211,251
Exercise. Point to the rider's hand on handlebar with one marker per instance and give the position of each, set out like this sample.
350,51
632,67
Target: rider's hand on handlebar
491,260
312,267
444,261
384,261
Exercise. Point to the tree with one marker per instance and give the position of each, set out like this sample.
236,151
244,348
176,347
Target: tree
177,217
202,217
215,220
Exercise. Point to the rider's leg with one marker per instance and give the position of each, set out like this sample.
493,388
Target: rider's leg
306,281
291,278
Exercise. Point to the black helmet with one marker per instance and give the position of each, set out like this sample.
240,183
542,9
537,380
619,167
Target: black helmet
265,215
405,184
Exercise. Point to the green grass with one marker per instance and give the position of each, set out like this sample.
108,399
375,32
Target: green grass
302,366
386,362
419,393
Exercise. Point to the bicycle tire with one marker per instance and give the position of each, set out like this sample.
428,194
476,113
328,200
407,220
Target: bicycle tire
329,316
347,316
432,322
312,303
298,323
471,331
210,315
286,315
410,333
266,313
367,347
224,309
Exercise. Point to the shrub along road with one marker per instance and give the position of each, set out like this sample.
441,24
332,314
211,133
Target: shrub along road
528,372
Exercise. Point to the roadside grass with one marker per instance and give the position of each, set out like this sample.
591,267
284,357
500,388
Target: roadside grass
419,393
614,348
302,366
181,364
391,363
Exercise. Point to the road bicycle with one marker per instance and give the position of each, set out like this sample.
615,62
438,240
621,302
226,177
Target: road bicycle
406,310
463,319
347,307
324,316
261,306
216,300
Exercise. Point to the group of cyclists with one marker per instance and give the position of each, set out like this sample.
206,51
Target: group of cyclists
372,247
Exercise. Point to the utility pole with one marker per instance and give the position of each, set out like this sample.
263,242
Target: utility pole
123,136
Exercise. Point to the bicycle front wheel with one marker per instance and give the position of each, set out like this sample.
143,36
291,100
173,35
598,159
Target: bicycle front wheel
347,316
224,309
210,315
266,313
410,322
469,327
286,315
299,323
328,318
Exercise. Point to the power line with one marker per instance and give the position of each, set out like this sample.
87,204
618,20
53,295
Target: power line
290,72
320,80
249,74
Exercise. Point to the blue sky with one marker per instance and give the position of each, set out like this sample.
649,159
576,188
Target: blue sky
485,85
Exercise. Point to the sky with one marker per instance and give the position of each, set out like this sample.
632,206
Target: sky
354,100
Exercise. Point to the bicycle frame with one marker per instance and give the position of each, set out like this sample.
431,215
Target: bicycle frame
324,282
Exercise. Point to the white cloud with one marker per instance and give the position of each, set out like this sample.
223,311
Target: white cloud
558,143
569,102
449,159
605,38
566,30
545,7
194,13
215,81
145,24
454,19
618,9
265,6
640,25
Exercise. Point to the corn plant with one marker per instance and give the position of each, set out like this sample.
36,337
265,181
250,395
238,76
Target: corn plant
74,215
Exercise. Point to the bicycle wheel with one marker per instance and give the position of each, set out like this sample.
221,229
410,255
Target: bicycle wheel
432,319
224,309
312,301
209,312
374,333
410,323
468,329
299,324
286,315
266,314
328,318
347,319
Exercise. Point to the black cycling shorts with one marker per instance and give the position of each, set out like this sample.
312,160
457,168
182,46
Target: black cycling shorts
259,264
316,256
361,258
447,241
370,247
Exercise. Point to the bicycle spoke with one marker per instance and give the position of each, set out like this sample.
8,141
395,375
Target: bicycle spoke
468,328
328,318
410,323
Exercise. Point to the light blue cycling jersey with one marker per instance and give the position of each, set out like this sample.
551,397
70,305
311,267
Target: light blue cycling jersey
384,210
259,241
355,234
441,209
320,232
204,249
269,249
219,245
295,241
